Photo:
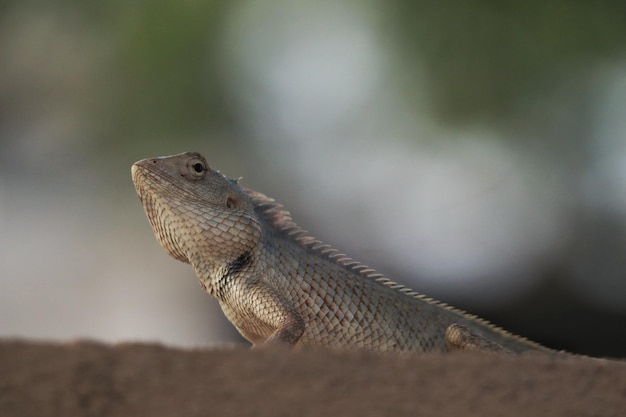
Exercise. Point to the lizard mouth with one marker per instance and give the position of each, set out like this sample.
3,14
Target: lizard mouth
146,177
142,175
135,172
139,174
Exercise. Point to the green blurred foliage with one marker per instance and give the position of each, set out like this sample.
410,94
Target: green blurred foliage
156,78
483,56
164,72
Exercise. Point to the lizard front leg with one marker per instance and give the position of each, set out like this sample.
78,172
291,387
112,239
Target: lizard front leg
287,332
262,315
460,338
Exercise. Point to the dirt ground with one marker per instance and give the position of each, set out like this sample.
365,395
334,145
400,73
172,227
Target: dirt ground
91,379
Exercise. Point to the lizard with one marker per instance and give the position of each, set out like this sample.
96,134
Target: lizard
280,286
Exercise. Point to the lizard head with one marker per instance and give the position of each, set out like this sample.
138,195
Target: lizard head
198,215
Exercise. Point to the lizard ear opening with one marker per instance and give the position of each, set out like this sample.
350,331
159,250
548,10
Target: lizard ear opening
232,202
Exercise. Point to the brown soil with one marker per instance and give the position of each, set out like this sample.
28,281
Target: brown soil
91,379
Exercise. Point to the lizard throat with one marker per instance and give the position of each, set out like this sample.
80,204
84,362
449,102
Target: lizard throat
162,228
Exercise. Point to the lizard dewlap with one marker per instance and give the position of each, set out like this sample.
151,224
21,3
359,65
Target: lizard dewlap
278,285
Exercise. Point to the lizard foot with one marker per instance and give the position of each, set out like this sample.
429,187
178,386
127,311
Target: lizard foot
460,338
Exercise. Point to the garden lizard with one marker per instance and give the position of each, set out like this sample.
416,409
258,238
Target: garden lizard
278,285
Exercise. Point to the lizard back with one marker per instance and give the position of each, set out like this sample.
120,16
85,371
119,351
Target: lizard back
349,305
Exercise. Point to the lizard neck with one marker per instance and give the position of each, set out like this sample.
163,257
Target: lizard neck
217,277
207,273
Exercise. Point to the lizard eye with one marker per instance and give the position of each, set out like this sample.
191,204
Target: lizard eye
196,169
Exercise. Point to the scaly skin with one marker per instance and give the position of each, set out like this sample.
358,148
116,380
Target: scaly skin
278,285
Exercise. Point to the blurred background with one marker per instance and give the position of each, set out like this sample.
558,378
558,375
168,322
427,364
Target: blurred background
474,151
